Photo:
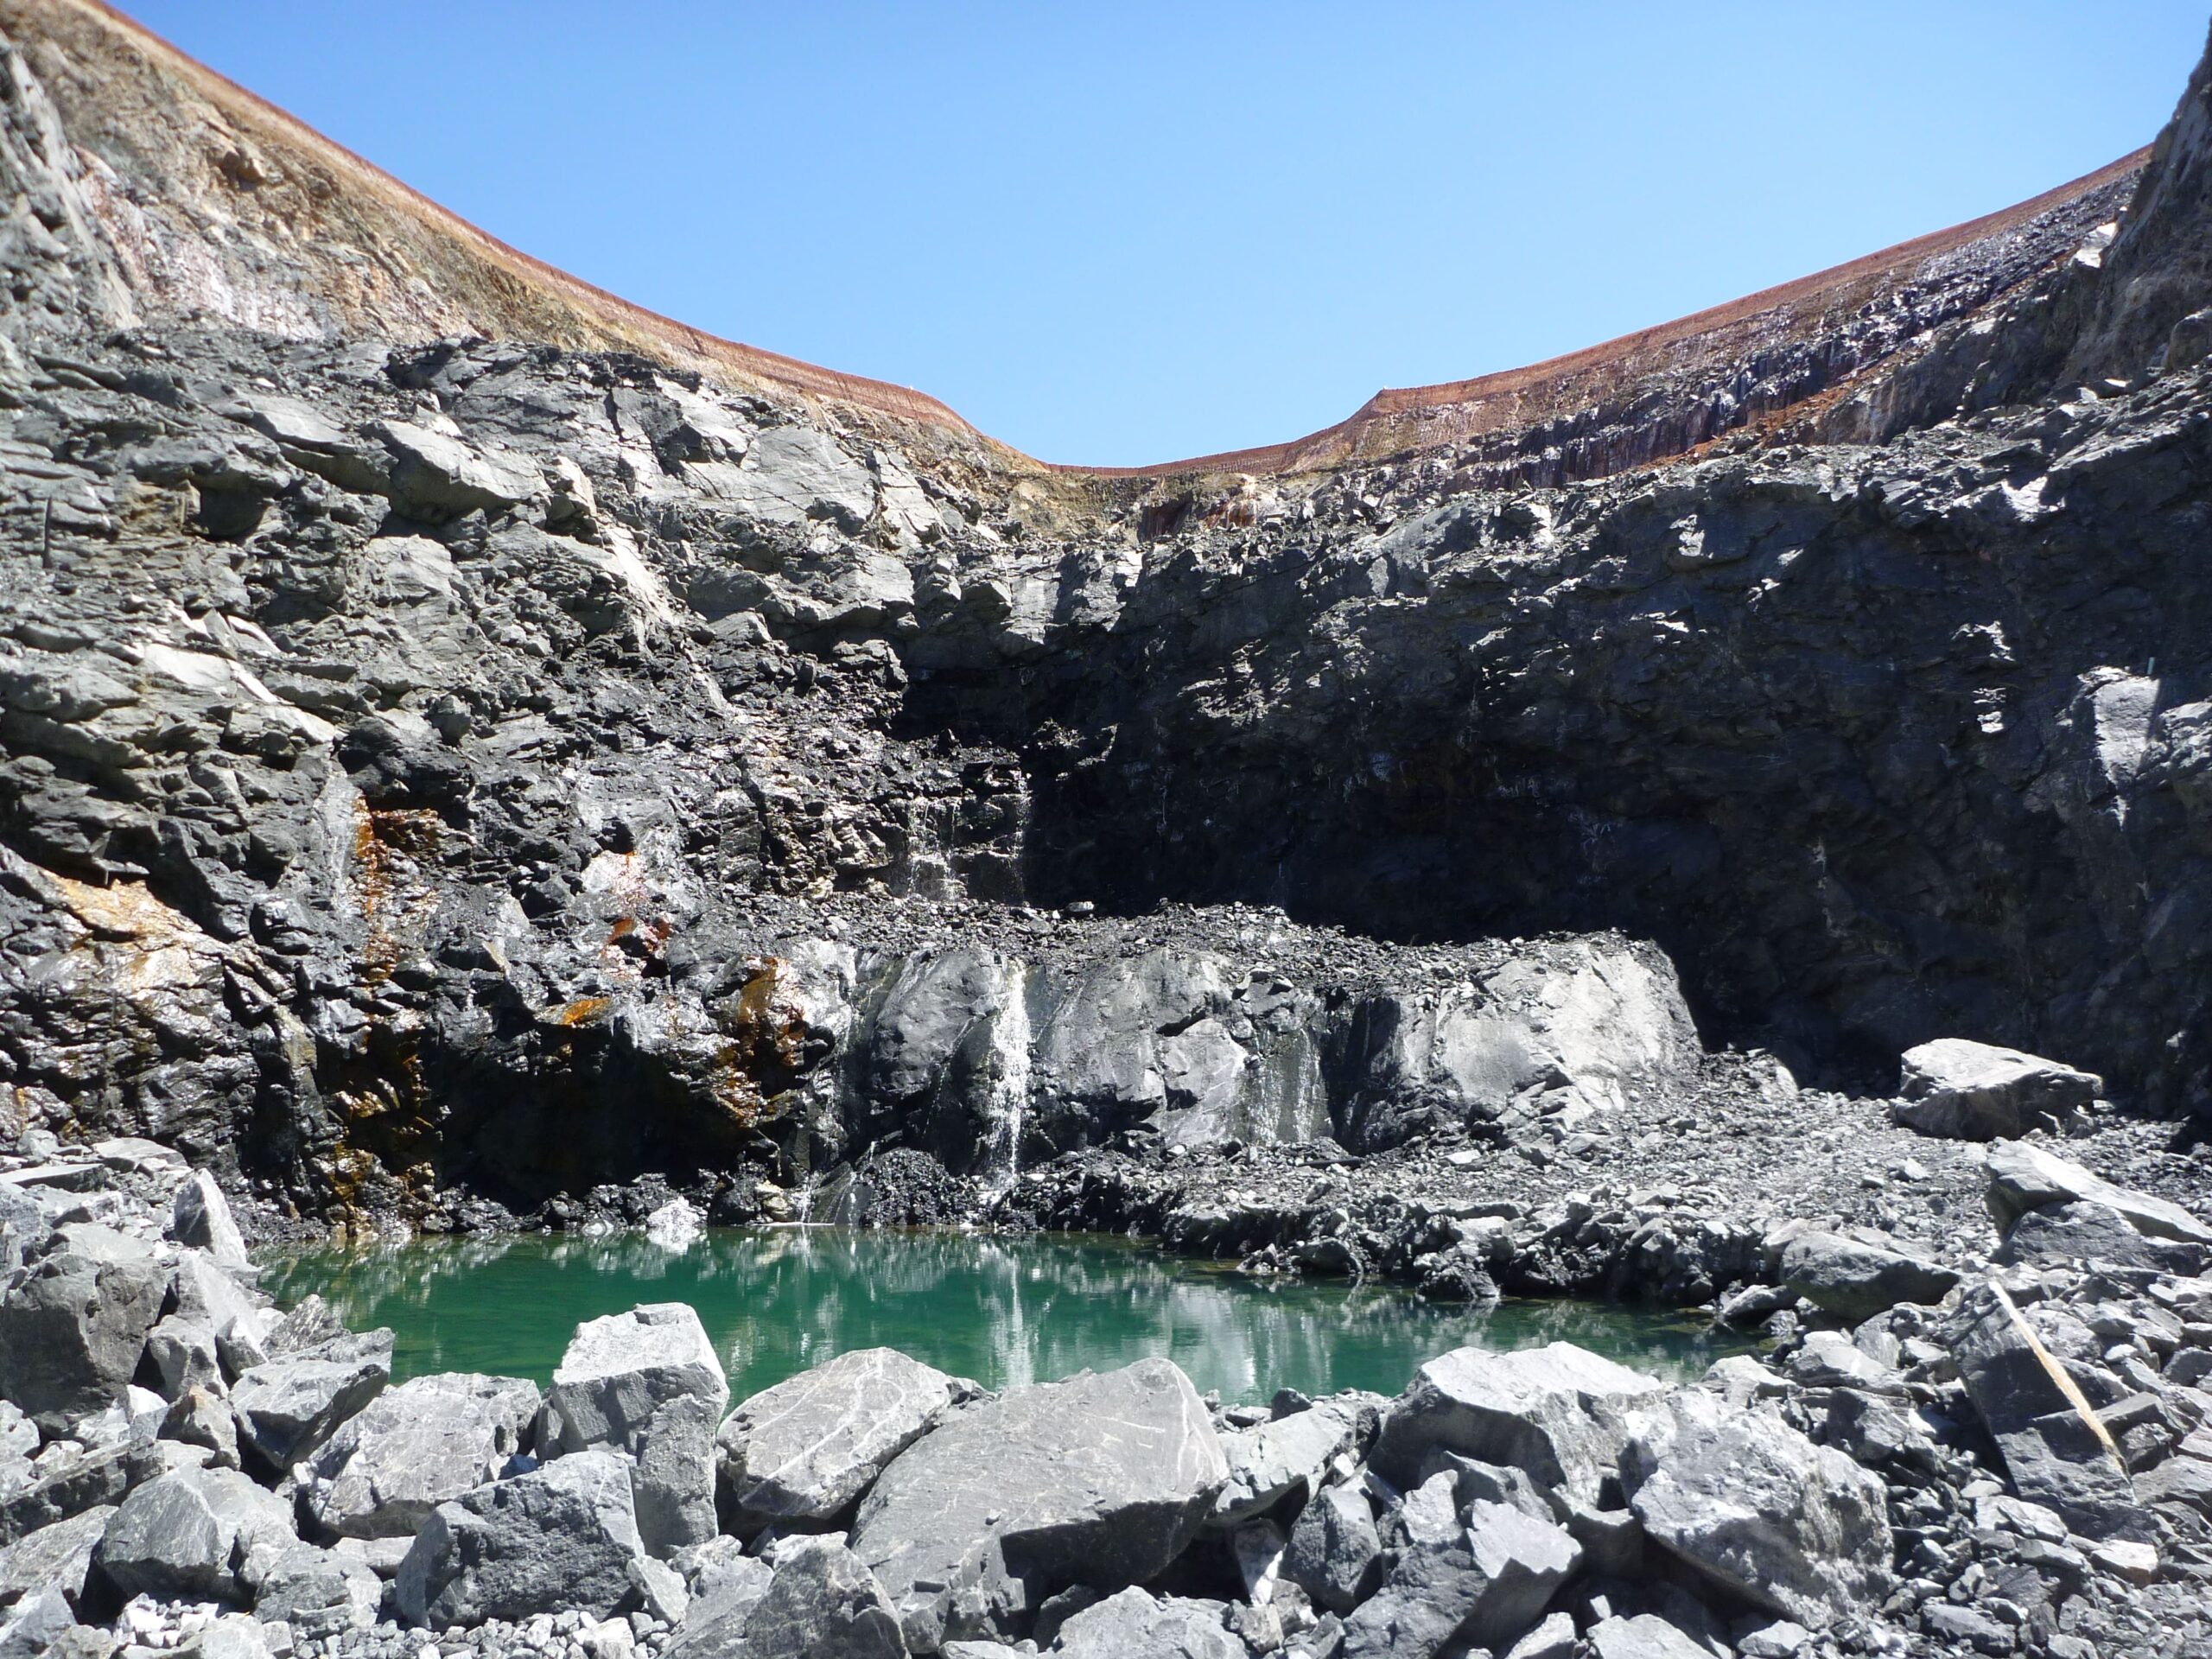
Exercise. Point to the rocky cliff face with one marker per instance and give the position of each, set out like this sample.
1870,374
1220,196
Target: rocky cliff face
549,749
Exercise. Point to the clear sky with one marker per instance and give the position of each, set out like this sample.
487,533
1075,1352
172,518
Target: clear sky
1129,233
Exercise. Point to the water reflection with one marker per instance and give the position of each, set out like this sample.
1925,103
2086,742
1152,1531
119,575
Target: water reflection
1000,1310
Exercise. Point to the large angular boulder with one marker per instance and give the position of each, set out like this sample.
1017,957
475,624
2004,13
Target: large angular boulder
1479,1580
2023,1177
1558,1414
73,1331
1751,1503
200,1215
1335,1552
1855,1281
288,1407
56,1557
2056,1449
560,1538
802,1452
625,1381
1646,1636
192,1534
1100,1479
39,1627
414,1447
822,1603
2082,1231
1132,1623
1291,1454
320,1593
1962,1090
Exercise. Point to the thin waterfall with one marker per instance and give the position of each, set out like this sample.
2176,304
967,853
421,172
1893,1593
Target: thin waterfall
1010,1087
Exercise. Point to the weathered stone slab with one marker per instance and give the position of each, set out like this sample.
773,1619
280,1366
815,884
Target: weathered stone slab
414,1447
2025,1177
803,1452
1132,1622
1965,1091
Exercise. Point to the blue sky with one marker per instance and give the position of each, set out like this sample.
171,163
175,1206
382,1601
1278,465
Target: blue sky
1126,233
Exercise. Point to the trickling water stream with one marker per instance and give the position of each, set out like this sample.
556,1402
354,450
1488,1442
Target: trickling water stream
1001,1310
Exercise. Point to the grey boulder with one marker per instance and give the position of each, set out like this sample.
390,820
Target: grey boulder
1479,1579
191,1535
37,1627
1335,1554
318,1592
183,1354
802,1452
1856,1280
200,1215
2023,1177
822,1603
1962,1090
1131,1625
1558,1413
1751,1503
56,1557
561,1538
414,1447
1291,1454
1099,1480
1646,1636
647,1384
72,1333
2086,1231
288,1407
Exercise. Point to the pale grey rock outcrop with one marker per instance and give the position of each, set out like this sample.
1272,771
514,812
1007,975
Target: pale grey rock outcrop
1100,1479
415,1447
803,1451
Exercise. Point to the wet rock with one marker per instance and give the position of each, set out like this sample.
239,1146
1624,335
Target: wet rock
56,1557
2055,1450
2023,1177
822,1603
1101,1479
1556,1413
647,1383
1855,1281
803,1451
562,1538
415,1447
72,1333
200,1215
1752,1504
1964,1091
1132,1622
1335,1552
288,1407
192,1534
1483,1580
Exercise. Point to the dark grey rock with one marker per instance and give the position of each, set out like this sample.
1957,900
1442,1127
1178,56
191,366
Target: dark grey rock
822,1604
37,1627
2097,1233
1335,1554
183,1355
563,1538
1482,1580
1645,1636
804,1451
319,1592
72,1334
2025,1177
1285,1456
56,1557
1855,1281
200,1216
1101,1479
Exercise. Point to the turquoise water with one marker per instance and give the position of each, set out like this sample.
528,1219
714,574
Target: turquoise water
1000,1310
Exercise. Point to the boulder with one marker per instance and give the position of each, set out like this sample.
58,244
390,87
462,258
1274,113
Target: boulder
1963,1090
2086,1231
1100,1479
822,1603
66,1483
1646,1636
1290,1454
73,1331
1553,1639
1747,1501
1335,1554
319,1592
1556,1413
415,1447
208,1295
562,1538
200,1215
191,1534
57,1557
2055,1450
1477,1582
201,1417
1855,1281
232,1635
674,1475
1133,1623
37,1627
2023,1177
288,1407
722,1597
182,1351
801,1453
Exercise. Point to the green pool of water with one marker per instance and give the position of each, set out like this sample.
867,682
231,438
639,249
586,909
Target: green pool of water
1001,1310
